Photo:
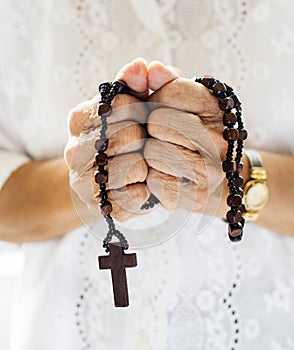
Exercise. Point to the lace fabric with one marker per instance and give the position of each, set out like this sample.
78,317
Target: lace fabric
192,291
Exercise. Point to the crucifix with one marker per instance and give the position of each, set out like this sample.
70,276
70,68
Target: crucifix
117,261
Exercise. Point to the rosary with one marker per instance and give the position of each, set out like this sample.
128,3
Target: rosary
117,260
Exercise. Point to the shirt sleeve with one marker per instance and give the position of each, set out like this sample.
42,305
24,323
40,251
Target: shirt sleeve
9,162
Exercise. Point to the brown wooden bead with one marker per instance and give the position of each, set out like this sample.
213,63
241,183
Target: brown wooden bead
235,230
101,159
229,118
104,109
101,177
226,103
229,166
229,88
122,86
236,100
235,239
234,200
231,134
233,217
238,181
243,134
206,80
242,208
218,88
101,145
242,222
106,208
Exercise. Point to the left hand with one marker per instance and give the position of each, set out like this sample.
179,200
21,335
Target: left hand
187,146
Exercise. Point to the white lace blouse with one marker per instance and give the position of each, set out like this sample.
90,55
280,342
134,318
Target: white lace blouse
192,291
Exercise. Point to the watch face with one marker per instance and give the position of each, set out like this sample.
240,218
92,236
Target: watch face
257,194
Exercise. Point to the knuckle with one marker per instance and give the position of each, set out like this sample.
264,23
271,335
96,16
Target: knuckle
128,138
68,155
127,169
80,116
73,118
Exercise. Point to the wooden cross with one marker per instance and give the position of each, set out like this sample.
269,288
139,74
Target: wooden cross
117,261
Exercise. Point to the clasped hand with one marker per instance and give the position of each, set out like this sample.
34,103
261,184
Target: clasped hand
171,146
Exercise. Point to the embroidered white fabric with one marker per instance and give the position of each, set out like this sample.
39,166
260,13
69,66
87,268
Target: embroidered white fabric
192,291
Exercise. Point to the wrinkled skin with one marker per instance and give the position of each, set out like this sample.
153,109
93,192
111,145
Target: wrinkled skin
180,160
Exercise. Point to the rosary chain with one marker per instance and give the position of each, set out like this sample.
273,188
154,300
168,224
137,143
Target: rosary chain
108,91
232,165
230,104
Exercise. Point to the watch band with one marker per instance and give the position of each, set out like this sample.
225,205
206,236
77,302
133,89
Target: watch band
254,158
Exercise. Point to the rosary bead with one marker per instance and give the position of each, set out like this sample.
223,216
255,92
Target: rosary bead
117,233
236,100
229,88
101,177
239,191
242,222
229,118
207,81
239,114
104,109
102,187
238,181
243,134
234,200
231,134
229,176
239,167
101,145
236,239
106,208
235,230
234,217
242,208
104,87
228,166
101,159
104,196
218,88
122,87
226,103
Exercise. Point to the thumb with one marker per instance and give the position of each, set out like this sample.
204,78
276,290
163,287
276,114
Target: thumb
135,74
159,75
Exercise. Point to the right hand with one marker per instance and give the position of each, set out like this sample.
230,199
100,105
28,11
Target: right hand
126,166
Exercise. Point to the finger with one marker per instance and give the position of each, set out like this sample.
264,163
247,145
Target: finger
83,118
174,193
159,75
123,137
135,74
185,94
126,202
182,163
186,129
122,170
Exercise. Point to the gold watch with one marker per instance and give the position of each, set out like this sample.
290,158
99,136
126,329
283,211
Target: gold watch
256,191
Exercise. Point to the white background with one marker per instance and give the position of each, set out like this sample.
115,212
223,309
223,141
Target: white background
11,262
